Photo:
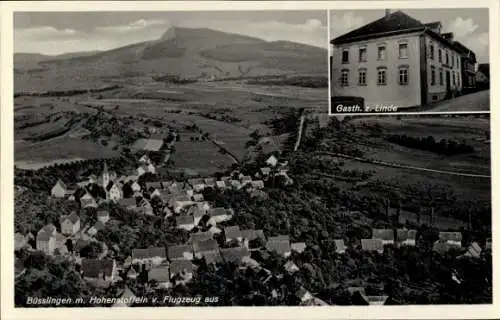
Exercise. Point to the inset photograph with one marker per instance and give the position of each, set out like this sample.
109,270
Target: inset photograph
409,61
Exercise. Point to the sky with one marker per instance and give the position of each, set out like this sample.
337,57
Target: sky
469,26
53,33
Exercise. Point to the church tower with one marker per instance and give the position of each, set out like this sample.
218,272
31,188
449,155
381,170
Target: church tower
105,176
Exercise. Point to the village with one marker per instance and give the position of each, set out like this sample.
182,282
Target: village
213,236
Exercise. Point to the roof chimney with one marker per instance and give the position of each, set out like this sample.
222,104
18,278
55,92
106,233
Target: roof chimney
387,13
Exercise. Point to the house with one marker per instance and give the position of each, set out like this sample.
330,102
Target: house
197,184
218,215
145,207
145,168
265,171
126,299
395,61
235,255
209,182
339,246
19,241
180,252
181,269
98,270
232,233
87,201
280,244
197,212
132,273
214,230
235,184
103,216
221,185
70,224
375,300
452,238
154,185
249,235
114,192
298,247
135,187
372,245
482,77
304,295
161,275
272,161
128,203
145,159
198,197
59,190
212,257
314,302
152,256
386,235
468,67
291,267
178,203
473,251
407,237
46,239
200,237
185,222
441,246
204,247
98,226
245,180
257,184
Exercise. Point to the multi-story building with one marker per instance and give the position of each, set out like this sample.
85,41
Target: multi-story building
396,61
468,67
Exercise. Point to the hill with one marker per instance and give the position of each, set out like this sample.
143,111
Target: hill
188,53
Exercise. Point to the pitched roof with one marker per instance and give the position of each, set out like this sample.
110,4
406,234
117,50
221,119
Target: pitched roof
214,212
209,181
212,257
279,238
61,184
102,213
207,245
73,218
441,246
298,246
251,234
183,220
128,202
200,237
154,185
474,250
232,232
178,266
339,245
281,247
450,236
194,182
372,244
177,251
433,25
234,254
92,267
159,273
383,234
397,22
149,253
405,234
484,68
195,211
45,233
245,178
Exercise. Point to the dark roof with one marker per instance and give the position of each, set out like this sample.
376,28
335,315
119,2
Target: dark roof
372,244
200,237
102,213
208,245
397,22
178,251
484,68
149,253
73,218
61,184
45,233
404,234
464,50
232,232
433,25
92,267
251,234
383,234
279,238
178,266
234,254
212,257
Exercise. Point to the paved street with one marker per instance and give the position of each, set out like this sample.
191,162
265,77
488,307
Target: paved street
479,101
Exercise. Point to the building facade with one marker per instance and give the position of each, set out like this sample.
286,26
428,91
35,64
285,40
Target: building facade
396,61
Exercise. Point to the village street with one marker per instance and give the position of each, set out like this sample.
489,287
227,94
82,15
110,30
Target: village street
478,101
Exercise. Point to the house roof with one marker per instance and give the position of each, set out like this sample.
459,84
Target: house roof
251,234
383,234
61,184
220,184
99,225
235,183
148,144
178,266
154,185
149,253
298,246
194,182
442,246
339,245
214,212
405,234
212,257
73,218
433,25
232,232
102,213
46,232
279,238
160,273
245,178
280,247
183,220
474,250
209,181
207,245
200,237
198,197
195,211
234,254
178,251
265,170
450,236
372,244
290,265
92,267
397,22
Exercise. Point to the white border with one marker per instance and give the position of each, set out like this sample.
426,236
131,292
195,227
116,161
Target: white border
339,312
